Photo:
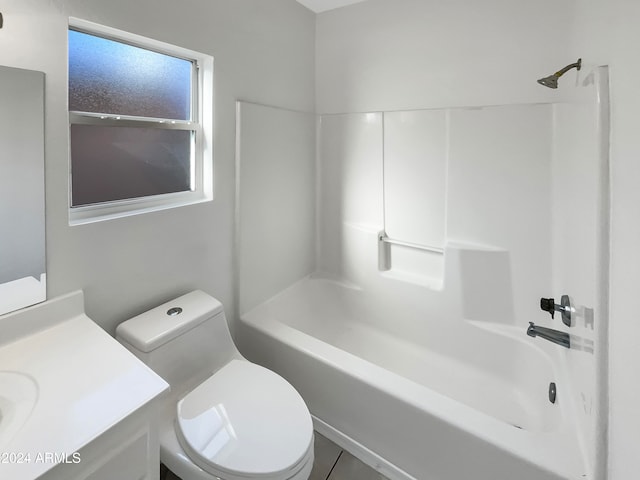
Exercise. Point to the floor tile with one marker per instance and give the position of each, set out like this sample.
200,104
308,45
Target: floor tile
330,463
350,468
326,454
171,476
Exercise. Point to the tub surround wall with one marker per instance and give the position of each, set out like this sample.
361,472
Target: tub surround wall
349,185
492,183
496,208
493,169
580,236
275,165
498,240
608,31
415,175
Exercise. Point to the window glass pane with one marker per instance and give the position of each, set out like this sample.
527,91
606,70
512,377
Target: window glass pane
111,77
116,163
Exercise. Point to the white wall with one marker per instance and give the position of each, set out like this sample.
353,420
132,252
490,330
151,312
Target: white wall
408,54
263,51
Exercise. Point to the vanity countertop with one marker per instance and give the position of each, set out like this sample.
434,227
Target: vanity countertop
86,383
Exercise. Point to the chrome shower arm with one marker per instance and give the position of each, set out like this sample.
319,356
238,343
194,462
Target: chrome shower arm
564,70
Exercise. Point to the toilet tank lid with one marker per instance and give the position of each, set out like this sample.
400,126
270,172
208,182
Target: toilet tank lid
157,326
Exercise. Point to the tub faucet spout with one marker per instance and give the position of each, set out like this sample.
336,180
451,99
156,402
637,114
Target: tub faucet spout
555,336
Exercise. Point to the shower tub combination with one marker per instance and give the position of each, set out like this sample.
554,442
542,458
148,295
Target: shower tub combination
416,359
470,403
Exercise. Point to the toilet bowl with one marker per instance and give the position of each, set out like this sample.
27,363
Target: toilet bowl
225,418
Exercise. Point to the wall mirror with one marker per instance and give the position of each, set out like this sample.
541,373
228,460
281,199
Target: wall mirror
22,227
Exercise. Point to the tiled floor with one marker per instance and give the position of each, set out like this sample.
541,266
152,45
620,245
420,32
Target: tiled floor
331,463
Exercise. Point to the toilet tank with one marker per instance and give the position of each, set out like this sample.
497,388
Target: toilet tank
184,340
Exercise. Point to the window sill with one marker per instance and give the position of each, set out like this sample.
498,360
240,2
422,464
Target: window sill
126,208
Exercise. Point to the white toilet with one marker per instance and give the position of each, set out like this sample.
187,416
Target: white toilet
225,418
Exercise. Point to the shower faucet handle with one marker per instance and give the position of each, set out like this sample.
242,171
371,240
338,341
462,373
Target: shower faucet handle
549,305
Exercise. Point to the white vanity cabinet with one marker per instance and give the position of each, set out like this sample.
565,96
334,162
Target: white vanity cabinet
127,451
74,403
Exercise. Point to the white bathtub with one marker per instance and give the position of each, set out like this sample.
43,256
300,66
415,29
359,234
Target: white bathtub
466,401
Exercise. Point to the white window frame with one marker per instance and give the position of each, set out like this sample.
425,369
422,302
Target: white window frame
202,158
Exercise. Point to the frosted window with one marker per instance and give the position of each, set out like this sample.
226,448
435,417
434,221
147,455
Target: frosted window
116,163
140,120
106,76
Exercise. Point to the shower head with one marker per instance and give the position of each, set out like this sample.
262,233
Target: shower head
552,80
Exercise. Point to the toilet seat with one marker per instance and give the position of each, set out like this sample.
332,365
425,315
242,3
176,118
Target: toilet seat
245,422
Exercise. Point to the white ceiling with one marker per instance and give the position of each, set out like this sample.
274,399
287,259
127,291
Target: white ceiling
324,5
